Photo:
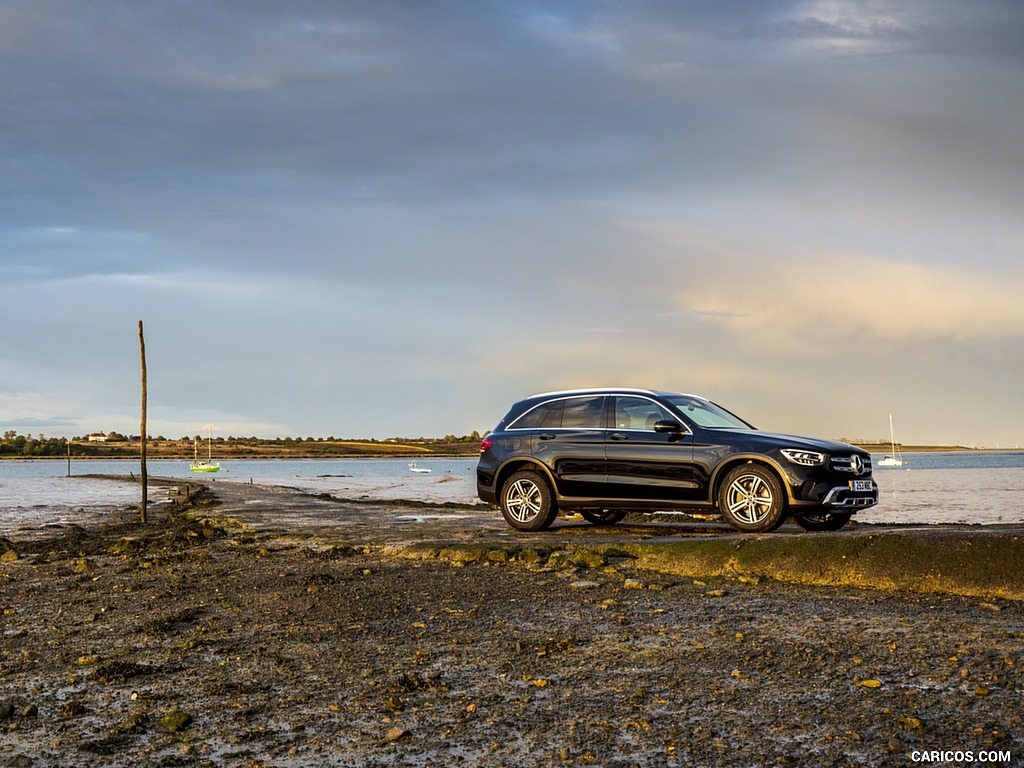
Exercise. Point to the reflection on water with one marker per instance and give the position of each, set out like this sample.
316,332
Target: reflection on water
948,496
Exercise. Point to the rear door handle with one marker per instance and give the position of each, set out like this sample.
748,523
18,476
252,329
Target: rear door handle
546,436
618,436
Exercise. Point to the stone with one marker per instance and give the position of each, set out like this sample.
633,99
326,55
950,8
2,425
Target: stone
175,721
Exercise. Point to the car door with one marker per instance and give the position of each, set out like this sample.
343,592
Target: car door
644,464
574,450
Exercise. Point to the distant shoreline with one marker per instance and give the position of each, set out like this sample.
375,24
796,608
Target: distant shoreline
171,450
254,448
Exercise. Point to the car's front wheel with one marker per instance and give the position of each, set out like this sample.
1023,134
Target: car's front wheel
603,516
821,521
527,502
751,499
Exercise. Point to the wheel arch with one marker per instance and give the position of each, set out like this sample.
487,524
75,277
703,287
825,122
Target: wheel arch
509,468
732,462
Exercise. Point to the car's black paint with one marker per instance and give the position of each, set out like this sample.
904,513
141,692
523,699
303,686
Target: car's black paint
629,449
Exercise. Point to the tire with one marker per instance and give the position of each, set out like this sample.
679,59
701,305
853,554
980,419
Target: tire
821,521
751,499
603,516
527,502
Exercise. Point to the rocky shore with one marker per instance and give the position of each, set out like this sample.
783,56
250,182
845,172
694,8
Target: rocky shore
281,630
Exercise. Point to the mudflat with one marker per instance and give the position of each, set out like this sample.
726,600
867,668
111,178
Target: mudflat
266,628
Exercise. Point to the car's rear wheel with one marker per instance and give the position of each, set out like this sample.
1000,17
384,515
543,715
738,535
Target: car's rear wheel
603,516
527,502
751,499
821,521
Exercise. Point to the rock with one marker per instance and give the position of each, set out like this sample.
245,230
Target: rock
72,709
463,553
8,556
588,558
533,555
6,710
396,733
716,593
502,555
125,546
174,721
632,584
30,711
585,584
132,724
910,723
559,559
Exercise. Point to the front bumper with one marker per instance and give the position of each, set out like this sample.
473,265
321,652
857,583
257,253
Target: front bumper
841,497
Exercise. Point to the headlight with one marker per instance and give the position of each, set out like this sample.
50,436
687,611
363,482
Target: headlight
806,458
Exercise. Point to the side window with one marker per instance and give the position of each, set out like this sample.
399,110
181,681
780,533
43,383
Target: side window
546,415
584,412
638,413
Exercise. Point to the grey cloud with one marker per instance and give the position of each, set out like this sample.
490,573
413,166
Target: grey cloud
271,168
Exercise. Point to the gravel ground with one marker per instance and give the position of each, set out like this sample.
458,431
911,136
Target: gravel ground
188,643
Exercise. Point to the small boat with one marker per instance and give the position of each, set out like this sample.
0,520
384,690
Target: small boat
414,468
895,458
209,465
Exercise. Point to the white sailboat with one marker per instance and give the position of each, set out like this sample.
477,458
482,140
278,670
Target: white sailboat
895,458
414,468
204,466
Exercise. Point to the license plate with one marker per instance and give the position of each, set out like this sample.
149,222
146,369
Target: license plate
861,485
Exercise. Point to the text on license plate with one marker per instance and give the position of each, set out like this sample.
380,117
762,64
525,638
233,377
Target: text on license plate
860,485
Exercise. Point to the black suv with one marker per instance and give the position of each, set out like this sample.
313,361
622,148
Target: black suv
606,452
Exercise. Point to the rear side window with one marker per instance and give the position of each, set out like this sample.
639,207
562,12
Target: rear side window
545,415
567,413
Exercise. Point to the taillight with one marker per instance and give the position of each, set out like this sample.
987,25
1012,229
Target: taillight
485,444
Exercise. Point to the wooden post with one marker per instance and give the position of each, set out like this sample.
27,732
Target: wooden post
69,457
142,428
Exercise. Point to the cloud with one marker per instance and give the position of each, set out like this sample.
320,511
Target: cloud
445,204
802,302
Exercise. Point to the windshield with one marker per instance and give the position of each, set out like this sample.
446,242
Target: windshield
705,414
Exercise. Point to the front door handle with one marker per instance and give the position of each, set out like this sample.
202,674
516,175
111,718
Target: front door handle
618,436
546,436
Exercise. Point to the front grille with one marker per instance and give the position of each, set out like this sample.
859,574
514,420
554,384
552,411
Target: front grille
853,465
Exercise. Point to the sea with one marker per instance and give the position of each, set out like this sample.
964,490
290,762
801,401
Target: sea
970,487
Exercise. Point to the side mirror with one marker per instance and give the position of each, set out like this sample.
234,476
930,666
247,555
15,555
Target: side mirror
668,425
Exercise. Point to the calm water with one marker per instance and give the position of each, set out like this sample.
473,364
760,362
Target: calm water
951,487
943,487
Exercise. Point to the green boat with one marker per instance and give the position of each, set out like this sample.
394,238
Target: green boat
209,465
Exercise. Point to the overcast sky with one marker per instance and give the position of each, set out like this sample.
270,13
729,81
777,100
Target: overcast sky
370,219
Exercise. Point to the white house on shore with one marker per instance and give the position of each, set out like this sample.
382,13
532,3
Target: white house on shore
97,437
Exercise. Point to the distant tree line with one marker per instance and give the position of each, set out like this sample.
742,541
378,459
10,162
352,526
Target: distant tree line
14,444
